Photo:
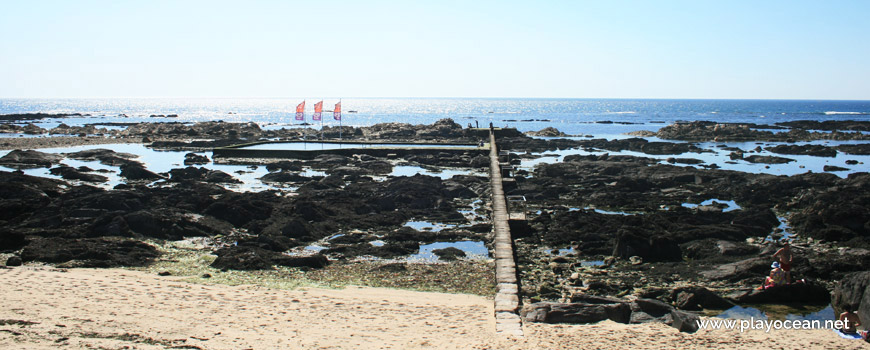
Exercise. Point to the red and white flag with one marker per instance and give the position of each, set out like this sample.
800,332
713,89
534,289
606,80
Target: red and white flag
300,111
318,109
336,113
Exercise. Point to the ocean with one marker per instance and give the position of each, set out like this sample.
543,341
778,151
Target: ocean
600,118
572,116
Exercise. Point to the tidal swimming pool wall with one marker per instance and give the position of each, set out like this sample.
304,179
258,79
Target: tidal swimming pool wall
309,150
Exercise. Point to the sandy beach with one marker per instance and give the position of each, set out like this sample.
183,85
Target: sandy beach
49,308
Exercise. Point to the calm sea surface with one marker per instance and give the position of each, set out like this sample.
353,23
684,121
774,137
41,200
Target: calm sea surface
573,116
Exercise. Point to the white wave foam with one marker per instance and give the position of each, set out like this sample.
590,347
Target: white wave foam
847,113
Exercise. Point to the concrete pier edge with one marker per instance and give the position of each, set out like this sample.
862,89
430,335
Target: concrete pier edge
507,299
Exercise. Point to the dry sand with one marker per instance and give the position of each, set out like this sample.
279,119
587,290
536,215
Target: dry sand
122,309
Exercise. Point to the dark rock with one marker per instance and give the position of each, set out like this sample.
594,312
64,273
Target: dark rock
193,158
653,307
684,321
187,174
217,176
839,213
35,116
284,166
134,171
594,299
730,248
685,161
284,176
853,289
712,131
164,273
767,159
805,293
811,150
834,168
650,249
11,241
32,129
828,125
71,173
642,317
347,170
480,162
698,298
13,261
29,159
449,253
90,252
547,132
104,156
167,224
213,129
547,312
861,149
749,268
641,145
376,167
239,208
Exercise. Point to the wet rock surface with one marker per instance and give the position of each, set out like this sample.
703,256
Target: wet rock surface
547,132
586,309
70,173
810,150
23,159
649,244
42,213
828,125
799,131
89,252
768,159
803,293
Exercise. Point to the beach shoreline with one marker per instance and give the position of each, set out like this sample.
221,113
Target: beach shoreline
47,307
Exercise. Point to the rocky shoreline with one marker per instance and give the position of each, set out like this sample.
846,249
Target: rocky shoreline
600,226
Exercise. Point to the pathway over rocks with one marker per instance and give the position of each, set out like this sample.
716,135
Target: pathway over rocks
507,301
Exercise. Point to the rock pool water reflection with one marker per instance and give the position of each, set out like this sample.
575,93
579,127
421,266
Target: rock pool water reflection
472,249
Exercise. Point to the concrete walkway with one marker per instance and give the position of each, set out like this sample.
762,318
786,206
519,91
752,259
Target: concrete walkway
507,301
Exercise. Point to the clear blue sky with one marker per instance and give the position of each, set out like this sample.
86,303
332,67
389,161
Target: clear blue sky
583,49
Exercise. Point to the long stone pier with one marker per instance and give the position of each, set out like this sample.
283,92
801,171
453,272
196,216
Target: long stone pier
507,301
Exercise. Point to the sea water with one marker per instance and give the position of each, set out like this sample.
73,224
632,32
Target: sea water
600,117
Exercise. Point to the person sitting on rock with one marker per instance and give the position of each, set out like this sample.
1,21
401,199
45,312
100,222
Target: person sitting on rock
850,318
785,258
776,278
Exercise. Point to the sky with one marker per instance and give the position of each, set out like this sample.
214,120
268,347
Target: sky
540,49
